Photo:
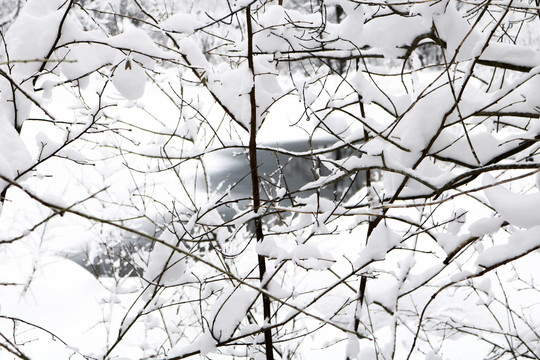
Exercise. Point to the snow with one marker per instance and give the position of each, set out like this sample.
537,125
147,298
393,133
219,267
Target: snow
232,86
519,244
129,79
85,58
28,40
417,127
61,299
137,41
181,22
381,241
206,343
166,265
228,312
511,53
399,31
192,51
485,145
277,33
14,157
31,36
353,347
517,209
461,39
351,27
269,247
449,242
366,89
485,226
310,256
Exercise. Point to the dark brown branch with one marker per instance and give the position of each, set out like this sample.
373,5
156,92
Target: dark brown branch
255,185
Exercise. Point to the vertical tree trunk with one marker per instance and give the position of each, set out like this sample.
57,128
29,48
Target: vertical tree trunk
255,185
372,224
341,64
